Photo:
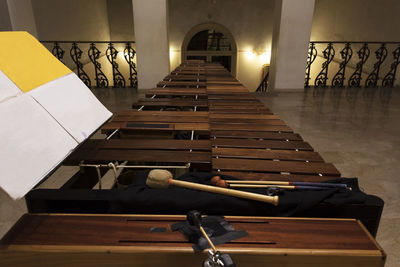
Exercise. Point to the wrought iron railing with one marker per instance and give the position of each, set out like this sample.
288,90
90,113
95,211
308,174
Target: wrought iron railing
263,87
99,63
354,65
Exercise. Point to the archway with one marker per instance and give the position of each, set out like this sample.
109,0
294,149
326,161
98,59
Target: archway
211,42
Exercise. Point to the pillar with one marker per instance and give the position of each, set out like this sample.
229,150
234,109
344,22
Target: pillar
5,21
290,39
151,37
21,16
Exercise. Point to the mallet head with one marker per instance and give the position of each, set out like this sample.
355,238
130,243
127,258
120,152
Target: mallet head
158,178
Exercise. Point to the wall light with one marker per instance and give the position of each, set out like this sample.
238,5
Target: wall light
265,58
250,54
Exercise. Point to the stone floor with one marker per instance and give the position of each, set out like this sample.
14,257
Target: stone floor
356,129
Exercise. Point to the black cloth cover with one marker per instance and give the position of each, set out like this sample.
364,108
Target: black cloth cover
138,198
219,231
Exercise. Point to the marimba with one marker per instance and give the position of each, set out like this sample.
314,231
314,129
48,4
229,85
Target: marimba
201,117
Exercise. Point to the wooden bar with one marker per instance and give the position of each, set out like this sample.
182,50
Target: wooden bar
193,84
220,134
166,102
250,127
275,166
261,144
266,154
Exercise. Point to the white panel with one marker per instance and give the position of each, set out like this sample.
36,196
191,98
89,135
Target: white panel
73,105
7,88
32,144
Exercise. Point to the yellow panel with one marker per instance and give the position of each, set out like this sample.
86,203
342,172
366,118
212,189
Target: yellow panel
27,62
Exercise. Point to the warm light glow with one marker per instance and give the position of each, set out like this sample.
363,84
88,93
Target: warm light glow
262,57
250,54
265,57
171,54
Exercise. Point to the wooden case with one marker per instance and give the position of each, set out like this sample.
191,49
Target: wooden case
127,240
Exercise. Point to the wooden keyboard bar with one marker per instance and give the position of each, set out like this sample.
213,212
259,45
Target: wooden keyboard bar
167,102
192,78
110,126
275,166
250,127
255,135
241,153
247,121
261,144
181,84
130,112
264,176
176,92
179,151
244,116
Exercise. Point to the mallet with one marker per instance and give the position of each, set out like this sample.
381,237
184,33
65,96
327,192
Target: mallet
162,179
216,180
215,257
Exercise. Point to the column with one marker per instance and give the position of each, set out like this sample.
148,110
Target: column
5,21
21,16
290,39
151,37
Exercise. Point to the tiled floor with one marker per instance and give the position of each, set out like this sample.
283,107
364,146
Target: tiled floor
356,129
359,131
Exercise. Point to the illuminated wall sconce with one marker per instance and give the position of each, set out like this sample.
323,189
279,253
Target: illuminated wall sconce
264,57
250,54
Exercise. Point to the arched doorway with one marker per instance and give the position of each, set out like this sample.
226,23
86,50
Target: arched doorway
211,42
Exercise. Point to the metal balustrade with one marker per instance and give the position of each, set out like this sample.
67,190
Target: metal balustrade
99,63
355,65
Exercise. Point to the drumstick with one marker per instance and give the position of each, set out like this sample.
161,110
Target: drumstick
163,178
217,179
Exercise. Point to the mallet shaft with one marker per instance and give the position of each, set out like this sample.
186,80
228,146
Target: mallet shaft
280,186
208,239
285,183
226,191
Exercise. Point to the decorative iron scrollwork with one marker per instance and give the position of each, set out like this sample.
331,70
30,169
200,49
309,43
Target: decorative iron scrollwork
322,77
346,54
312,55
388,80
129,54
76,54
373,77
363,55
112,53
94,55
58,52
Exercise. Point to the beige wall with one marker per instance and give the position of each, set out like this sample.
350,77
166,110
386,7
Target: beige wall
250,23
76,20
355,20
120,17
72,19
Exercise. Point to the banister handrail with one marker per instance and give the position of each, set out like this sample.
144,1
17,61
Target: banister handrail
359,65
94,54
